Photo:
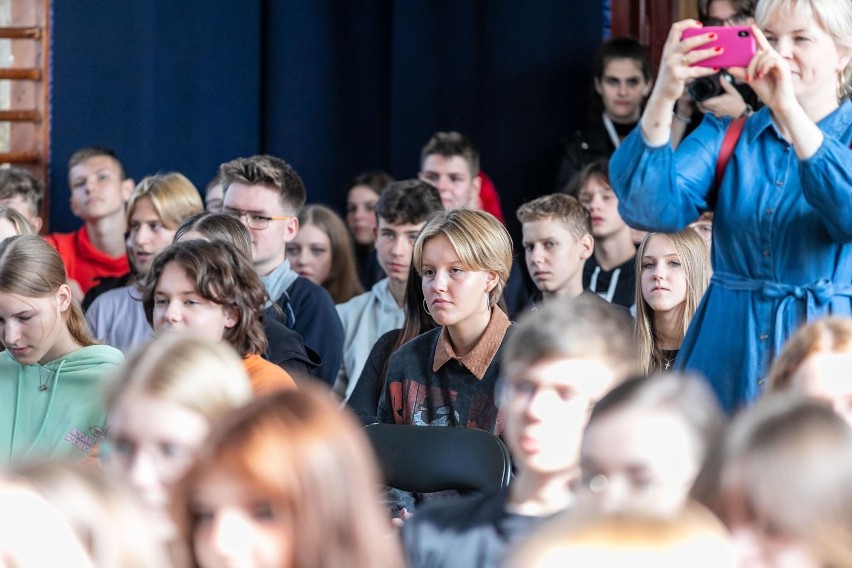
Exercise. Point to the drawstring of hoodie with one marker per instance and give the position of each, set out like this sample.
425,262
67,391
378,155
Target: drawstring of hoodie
15,416
51,396
613,282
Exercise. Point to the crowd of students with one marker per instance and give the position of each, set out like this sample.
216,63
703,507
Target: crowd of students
185,377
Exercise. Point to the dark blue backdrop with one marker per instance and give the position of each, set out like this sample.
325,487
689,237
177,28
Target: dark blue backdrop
332,87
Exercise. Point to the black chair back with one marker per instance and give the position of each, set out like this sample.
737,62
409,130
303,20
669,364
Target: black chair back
425,459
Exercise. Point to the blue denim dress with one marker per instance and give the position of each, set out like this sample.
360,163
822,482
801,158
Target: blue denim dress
781,232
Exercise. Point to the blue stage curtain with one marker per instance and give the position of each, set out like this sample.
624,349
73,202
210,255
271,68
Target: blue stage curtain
332,87
169,85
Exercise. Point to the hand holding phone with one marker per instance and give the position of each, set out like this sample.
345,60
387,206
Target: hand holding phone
737,43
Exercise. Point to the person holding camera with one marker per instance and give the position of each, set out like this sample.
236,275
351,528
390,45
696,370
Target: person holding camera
783,209
718,94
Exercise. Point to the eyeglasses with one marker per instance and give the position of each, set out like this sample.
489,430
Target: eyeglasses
254,220
740,19
524,391
169,459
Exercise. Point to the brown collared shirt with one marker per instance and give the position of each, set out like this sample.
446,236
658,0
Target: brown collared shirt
480,357
428,385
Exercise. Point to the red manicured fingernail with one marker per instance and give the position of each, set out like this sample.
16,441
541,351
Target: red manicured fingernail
712,36
717,49
715,69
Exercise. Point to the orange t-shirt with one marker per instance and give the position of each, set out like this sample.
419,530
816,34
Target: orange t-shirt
83,262
266,377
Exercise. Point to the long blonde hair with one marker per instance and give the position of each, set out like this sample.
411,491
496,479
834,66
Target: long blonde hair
695,260
33,269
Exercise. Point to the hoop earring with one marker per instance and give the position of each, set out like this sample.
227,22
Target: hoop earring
839,85
426,307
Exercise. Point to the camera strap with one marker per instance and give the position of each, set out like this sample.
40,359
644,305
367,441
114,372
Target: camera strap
729,142
610,129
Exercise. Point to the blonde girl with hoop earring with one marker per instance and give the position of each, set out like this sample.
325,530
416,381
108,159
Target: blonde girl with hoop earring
52,371
446,376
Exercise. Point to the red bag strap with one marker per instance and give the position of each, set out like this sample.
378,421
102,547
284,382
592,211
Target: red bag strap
729,142
732,136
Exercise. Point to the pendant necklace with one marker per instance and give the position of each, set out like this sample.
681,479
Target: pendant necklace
669,356
42,384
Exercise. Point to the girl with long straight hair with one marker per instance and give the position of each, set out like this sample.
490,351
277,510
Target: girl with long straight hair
322,252
52,370
673,271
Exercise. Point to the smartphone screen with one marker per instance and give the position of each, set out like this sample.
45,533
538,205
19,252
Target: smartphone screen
737,43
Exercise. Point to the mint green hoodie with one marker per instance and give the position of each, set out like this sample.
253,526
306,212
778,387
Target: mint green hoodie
67,418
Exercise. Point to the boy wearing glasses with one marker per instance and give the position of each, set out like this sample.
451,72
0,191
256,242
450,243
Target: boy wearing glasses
558,363
266,194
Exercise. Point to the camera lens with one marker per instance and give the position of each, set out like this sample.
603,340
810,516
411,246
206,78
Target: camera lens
742,33
705,88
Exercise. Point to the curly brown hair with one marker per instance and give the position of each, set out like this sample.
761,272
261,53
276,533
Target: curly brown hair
222,274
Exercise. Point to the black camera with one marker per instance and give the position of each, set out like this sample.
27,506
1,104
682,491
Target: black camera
708,87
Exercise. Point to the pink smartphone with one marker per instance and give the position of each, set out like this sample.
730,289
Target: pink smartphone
737,42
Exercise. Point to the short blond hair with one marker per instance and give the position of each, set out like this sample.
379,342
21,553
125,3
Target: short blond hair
172,196
833,16
558,207
573,328
479,239
693,536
